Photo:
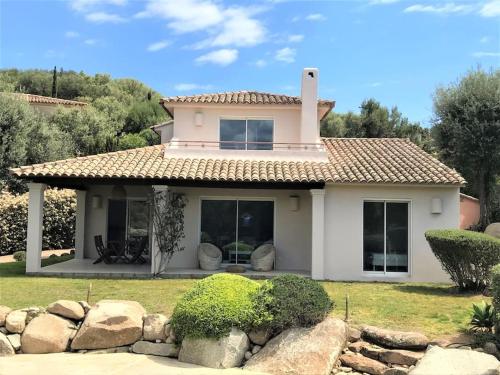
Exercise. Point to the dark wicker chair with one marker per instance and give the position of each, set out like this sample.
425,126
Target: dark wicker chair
104,252
136,249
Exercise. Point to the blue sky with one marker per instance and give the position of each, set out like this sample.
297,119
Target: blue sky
397,51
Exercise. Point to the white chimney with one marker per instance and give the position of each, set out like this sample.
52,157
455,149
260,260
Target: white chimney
309,125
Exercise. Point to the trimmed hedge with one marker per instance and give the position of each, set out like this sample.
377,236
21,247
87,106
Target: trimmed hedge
19,256
495,289
58,220
467,256
291,301
213,306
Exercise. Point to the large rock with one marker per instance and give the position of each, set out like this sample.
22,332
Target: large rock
5,346
4,311
223,353
110,323
363,364
161,349
47,333
493,230
395,339
439,361
311,351
16,321
154,327
67,309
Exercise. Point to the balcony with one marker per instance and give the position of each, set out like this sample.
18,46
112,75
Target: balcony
247,150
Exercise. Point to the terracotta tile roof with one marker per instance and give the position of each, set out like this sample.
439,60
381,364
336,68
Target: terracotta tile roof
241,97
30,98
393,161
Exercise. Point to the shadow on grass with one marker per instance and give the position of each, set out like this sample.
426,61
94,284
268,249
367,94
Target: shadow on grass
434,290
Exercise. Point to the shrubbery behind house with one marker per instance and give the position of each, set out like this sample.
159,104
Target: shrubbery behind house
467,256
495,288
222,301
58,221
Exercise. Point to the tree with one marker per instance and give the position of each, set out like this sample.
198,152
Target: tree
466,129
54,83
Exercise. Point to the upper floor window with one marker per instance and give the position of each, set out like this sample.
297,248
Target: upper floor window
246,134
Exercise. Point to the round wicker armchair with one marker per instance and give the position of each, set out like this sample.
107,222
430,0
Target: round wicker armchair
262,258
209,256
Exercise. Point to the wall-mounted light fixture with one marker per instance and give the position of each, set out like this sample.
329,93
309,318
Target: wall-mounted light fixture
198,118
294,202
96,201
118,192
436,206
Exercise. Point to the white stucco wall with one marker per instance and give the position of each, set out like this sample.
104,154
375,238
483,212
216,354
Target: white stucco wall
344,229
286,122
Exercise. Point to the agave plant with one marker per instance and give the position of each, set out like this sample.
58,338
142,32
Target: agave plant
483,317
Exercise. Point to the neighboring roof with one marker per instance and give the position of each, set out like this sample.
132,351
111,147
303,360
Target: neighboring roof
465,196
39,99
241,97
384,161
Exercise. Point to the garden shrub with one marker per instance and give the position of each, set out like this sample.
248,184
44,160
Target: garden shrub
291,301
213,306
58,220
20,256
495,288
467,256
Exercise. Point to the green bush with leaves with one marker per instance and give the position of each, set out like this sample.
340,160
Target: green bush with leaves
58,220
483,317
465,255
19,256
495,290
214,305
291,301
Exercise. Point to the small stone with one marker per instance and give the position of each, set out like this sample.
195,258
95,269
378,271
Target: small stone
167,329
345,369
259,337
256,349
16,321
364,364
356,347
118,349
15,340
4,311
32,312
400,357
480,350
4,330
490,348
154,327
353,334
248,355
465,347
67,309
150,348
396,371
5,346
158,341
169,340
395,339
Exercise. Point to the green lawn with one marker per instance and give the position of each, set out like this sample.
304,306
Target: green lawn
435,309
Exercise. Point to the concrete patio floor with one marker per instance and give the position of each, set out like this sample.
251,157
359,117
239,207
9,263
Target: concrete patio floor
109,364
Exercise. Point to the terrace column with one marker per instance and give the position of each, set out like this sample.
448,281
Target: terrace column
35,227
155,260
318,234
80,223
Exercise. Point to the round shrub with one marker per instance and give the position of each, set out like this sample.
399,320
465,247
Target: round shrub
291,301
465,255
213,306
19,256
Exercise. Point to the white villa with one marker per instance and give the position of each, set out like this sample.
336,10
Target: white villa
254,170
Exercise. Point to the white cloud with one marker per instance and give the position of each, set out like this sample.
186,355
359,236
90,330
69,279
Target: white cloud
260,63
222,57
227,26
446,8
104,17
286,54
71,34
191,87
490,9
86,5
486,54
153,47
315,17
90,42
484,40
295,38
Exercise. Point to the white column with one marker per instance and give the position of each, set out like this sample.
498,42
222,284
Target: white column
318,234
155,261
80,223
35,227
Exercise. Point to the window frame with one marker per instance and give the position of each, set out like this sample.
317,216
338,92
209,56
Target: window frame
240,198
246,118
386,273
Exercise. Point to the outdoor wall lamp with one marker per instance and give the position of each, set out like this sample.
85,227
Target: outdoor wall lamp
96,201
436,206
294,202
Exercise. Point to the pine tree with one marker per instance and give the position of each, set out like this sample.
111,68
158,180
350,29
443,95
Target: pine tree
54,83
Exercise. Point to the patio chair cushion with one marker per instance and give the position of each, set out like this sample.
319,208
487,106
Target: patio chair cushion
262,259
209,256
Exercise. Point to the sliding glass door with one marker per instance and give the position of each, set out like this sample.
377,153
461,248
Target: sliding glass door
385,236
237,226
